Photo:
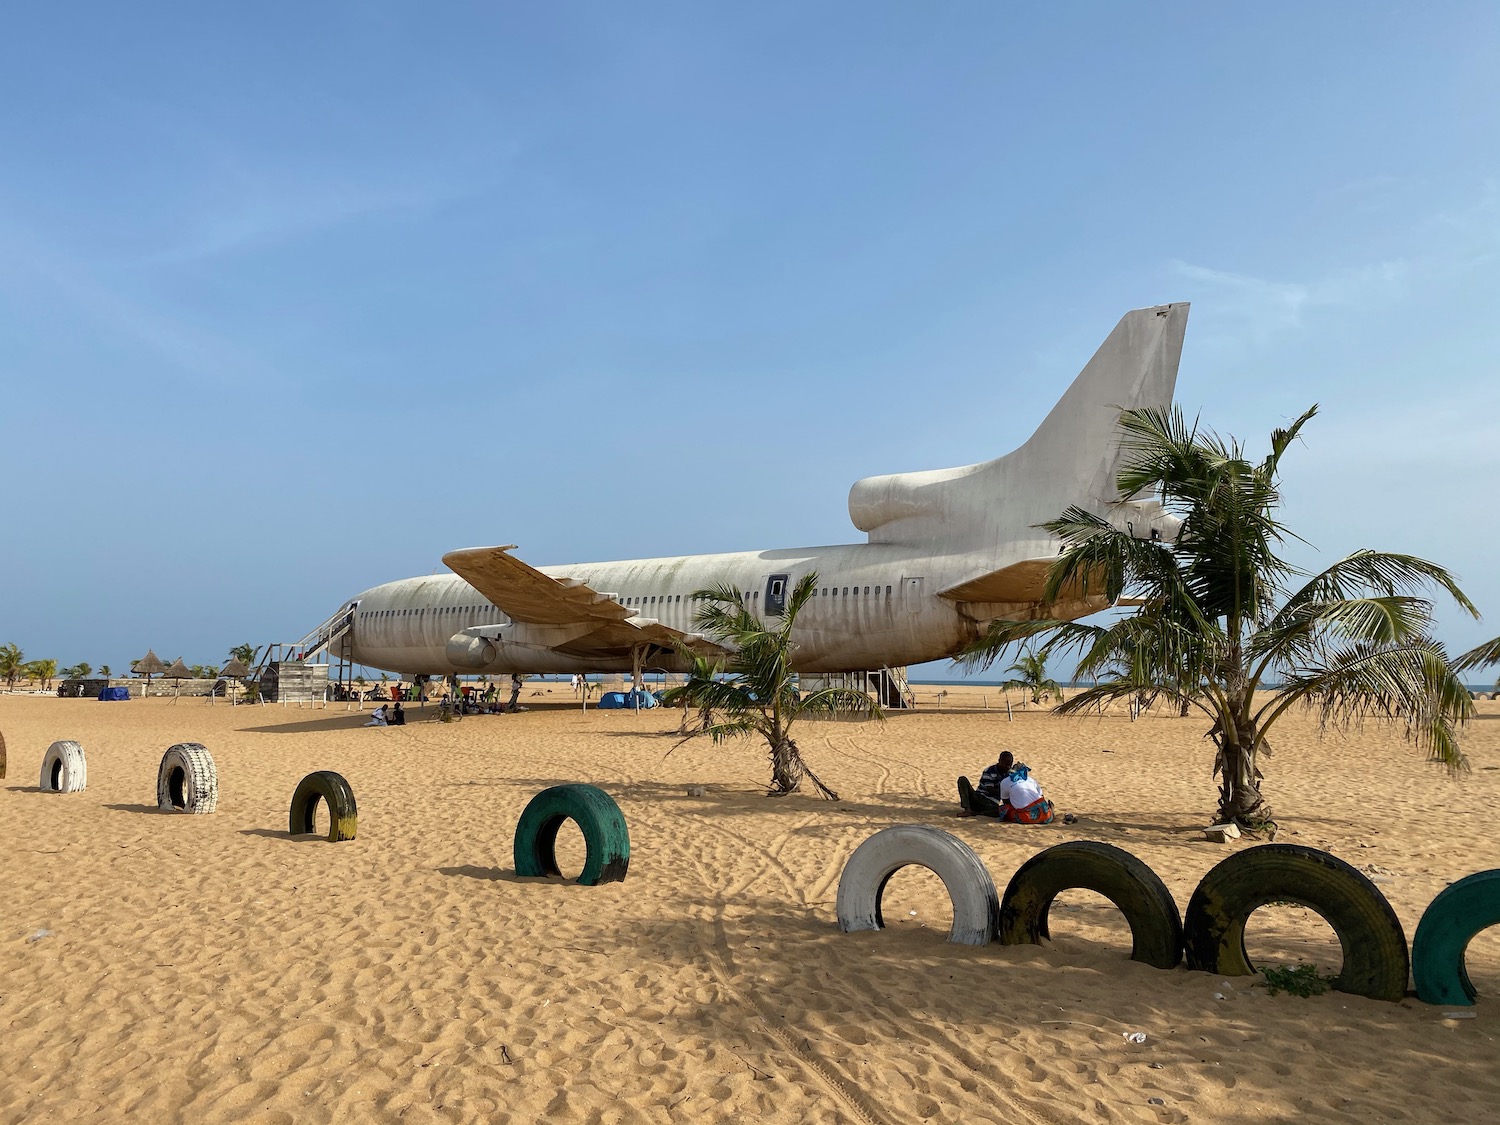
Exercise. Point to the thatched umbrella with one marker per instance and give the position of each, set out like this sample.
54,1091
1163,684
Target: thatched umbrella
234,670
177,673
148,666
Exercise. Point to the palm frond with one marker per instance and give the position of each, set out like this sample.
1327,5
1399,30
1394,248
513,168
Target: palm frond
1411,682
1479,656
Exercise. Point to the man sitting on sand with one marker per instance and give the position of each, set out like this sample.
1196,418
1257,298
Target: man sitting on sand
378,717
1006,791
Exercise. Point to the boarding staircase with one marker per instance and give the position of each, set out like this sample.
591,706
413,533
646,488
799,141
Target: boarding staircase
334,636
889,686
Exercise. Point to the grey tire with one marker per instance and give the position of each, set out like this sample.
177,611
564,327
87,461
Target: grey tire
187,780
976,908
64,769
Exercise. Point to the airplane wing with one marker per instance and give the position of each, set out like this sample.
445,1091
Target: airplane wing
528,596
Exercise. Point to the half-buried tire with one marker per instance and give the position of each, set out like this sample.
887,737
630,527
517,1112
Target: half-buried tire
2,755
599,819
1375,958
187,780
1140,895
976,911
331,788
64,768
1448,925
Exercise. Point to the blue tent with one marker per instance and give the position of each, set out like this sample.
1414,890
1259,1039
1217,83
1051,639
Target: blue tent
621,701
114,693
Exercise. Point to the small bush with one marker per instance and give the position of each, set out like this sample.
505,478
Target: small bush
1303,980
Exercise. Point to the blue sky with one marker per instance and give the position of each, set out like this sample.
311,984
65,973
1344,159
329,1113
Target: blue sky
295,298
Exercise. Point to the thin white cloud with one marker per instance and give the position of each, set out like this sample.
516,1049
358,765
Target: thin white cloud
1260,307
37,268
267,213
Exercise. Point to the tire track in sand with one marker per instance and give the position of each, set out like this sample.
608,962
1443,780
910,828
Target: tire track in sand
882,786
821,1073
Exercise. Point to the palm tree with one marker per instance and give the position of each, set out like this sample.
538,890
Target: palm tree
42,670
702,672
762,698
1219,618
12,663
245,654
1032,669
105,671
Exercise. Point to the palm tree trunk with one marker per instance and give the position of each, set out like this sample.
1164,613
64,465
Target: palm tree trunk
788,770
1240,799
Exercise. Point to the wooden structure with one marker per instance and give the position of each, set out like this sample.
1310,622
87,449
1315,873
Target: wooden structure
293,681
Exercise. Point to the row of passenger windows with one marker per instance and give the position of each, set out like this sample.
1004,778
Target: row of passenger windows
754,596
370,614
655,599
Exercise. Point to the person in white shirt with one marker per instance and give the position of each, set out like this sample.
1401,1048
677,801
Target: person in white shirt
1021,797
377,718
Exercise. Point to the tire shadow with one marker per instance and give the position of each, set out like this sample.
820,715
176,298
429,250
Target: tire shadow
501,875
281,834
136,808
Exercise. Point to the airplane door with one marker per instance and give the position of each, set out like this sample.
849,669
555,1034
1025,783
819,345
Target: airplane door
776,594
911,594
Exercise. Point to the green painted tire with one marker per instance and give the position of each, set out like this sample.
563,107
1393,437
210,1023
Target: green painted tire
1138,892
343,814
597,816
1376,963
1448,925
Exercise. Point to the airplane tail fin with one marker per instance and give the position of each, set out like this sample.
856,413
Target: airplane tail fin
1073,457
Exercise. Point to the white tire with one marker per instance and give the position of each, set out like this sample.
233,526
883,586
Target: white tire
187,781
976,907
64,769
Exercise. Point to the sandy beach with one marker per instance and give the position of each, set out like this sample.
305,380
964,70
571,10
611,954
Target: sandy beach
214,969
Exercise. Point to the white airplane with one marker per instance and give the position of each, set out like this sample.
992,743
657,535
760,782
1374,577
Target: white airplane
948,551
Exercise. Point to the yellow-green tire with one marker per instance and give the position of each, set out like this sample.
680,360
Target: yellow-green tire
1376,962
325,785
1138,892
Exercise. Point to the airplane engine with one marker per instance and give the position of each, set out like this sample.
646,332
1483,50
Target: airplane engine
467,651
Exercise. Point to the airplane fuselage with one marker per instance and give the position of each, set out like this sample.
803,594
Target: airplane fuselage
875,607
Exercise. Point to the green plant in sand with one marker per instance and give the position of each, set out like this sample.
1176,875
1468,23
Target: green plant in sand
1227,626
760,697
1298,980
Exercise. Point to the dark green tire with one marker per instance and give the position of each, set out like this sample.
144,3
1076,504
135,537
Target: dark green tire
1155,923
325,785
597,816
1376,963
1448,925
